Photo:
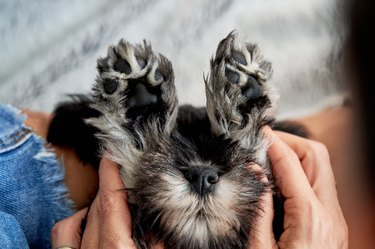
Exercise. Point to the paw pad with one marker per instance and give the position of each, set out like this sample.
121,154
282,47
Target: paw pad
237,89
252,90
110,86
158,75
122,66
237,56
140,96
232,76
134,83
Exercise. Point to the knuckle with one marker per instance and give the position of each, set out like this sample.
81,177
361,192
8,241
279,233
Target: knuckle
318,151
56,229
325,225
109,201
293,155
290,153
105,201
319,148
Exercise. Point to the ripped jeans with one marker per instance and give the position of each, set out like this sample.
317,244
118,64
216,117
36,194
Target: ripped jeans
33,196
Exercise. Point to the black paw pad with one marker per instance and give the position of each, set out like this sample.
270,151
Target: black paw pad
232,76
237,56
110,86
140,96
252,90
122,66
158,75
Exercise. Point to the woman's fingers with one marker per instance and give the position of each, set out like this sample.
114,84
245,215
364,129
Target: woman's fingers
109,175
304,176
115,218
67,232
262,234
90,237
288,173
313,155
109,220
316,164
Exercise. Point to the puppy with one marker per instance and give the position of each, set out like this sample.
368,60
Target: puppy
189,172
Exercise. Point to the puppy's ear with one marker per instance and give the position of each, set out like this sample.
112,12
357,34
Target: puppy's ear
68,128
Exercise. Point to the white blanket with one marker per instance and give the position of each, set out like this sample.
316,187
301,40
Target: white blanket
49,48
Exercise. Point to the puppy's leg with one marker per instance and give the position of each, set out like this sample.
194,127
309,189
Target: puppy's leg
135,93
240,99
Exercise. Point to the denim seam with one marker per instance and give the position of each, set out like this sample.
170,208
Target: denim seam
15,139
6,143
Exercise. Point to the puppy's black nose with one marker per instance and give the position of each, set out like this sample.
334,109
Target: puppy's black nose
202,178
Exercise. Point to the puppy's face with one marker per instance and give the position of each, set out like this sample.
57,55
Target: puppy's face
191,203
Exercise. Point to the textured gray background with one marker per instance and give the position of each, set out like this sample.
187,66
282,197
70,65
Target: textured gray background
49,48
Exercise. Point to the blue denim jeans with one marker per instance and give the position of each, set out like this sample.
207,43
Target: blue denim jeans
33,196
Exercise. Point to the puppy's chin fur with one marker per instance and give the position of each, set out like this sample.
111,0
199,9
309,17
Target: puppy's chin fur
188,171
173,212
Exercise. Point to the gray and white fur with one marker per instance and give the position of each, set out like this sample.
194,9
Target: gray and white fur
188,171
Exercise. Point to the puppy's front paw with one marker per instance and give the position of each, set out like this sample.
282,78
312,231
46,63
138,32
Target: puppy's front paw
136,85
239,97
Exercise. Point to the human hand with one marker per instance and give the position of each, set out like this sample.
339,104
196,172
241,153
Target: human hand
108,221
313,217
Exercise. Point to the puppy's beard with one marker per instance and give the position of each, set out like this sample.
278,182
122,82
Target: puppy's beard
193,221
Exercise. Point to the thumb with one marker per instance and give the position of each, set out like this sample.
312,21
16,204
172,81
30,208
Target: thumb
68,232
